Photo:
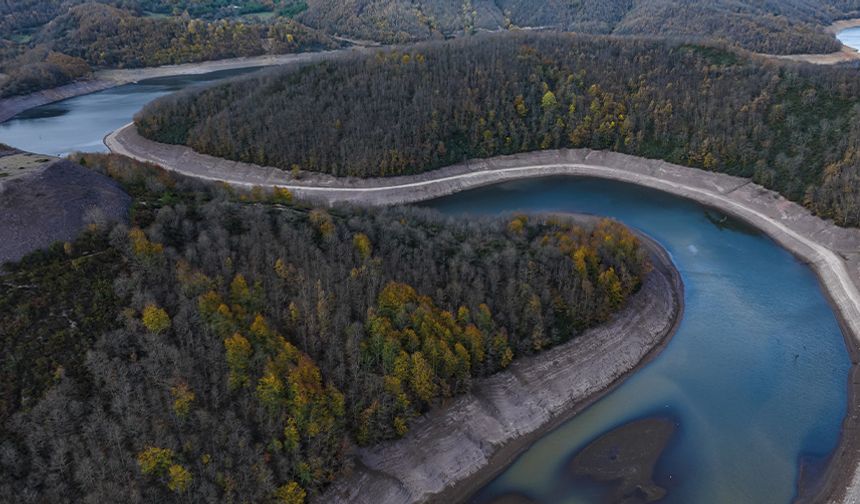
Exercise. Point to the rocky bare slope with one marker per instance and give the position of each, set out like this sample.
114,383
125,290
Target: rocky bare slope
51,201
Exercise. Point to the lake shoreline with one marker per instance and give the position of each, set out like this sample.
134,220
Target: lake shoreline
568,378
503,458
106,79
14,105
844,55
840,482
109,78
832,252
843,24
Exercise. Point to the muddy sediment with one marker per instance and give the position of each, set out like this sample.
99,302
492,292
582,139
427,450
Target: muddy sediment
626,457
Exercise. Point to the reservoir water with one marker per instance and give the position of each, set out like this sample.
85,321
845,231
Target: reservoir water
755,378
80,123
850,37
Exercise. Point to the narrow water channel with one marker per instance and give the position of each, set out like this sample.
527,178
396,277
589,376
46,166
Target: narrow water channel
81,123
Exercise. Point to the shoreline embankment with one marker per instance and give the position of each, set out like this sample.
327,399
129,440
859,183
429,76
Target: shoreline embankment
446,459
843,24
844,55
832,252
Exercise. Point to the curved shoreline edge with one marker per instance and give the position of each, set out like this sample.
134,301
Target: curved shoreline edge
844,55
444,459
832,252
106,79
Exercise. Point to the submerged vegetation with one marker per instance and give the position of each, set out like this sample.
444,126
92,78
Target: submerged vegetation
791,128
234,346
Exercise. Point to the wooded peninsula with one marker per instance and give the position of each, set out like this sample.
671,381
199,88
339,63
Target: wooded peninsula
234,346
791,128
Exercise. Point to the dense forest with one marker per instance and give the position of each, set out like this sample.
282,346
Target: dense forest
95,35
774,26
233,346
40,68
108,37
128,33
792,128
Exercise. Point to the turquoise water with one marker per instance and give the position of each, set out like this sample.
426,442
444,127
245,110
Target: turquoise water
755,377
850,37
80,123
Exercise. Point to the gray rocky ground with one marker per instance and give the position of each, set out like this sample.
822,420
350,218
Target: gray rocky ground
52,201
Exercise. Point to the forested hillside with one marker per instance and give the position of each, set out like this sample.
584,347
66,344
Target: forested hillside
19,16
93,35
774,26
232,347
108,37
795,129
151,32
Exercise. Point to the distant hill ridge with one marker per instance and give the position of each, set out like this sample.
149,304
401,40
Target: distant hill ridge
772,26
48,43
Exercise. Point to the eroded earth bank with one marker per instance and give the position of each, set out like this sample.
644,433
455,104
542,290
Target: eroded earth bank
452,451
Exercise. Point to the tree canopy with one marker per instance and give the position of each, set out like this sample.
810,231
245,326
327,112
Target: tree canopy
792,128
132,33
234,346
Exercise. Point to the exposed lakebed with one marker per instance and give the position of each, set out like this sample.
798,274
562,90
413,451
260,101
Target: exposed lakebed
754,381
